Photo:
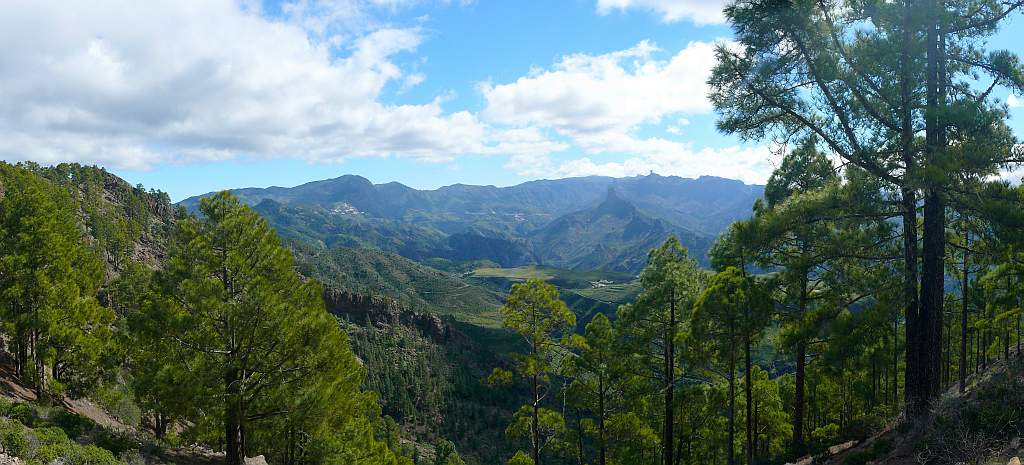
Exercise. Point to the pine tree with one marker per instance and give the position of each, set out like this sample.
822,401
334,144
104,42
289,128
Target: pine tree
867,78
257,344
651,326
727,319
797,248
535,312
445,454
597,372
48,280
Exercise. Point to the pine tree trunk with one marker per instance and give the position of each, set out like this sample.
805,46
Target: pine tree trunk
732,395
749,398
535,426
979,337
1006,341
160,424
964,290
801,360
799,401
895,362
668,440
933,250
579,437
908,205
910,303
40,366
233,433
602,446
986,342
22,354
932,297
947,362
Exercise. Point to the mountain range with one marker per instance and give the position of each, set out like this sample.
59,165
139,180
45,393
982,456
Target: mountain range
575,223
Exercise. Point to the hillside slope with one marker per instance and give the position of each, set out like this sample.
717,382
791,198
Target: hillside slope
127,223
982,426
342,227
430,373
612,236
412,285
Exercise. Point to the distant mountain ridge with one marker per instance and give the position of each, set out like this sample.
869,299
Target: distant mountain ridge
565,222
613,236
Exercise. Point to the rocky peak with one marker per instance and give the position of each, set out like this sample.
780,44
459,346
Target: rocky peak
615,206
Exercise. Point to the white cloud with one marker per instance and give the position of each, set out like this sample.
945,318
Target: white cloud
1013,102
141,84
698,11
665,157
677,129
412,80
600,102
588,94
135,84
529,150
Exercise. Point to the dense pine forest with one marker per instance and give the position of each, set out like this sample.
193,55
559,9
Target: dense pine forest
866,310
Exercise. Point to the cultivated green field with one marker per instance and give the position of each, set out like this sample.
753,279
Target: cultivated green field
567,279
612,293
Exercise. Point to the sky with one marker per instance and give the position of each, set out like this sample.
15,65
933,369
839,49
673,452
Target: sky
193,96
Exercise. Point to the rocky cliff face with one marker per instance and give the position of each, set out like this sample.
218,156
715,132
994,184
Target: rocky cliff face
381,311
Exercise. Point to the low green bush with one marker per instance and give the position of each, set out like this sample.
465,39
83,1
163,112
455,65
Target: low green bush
825,436
90,455
118,400
131,457
972,430
13,440
70,453
864,427
50,453
50,444
51,435
24,413
74,425
114,441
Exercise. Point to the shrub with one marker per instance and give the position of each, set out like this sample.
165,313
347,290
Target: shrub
50,436
90,455
5,406
970,431
114,441
13,439
825,436
864,427
74,425
24,413
118,400
50,453
131,457
54,446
